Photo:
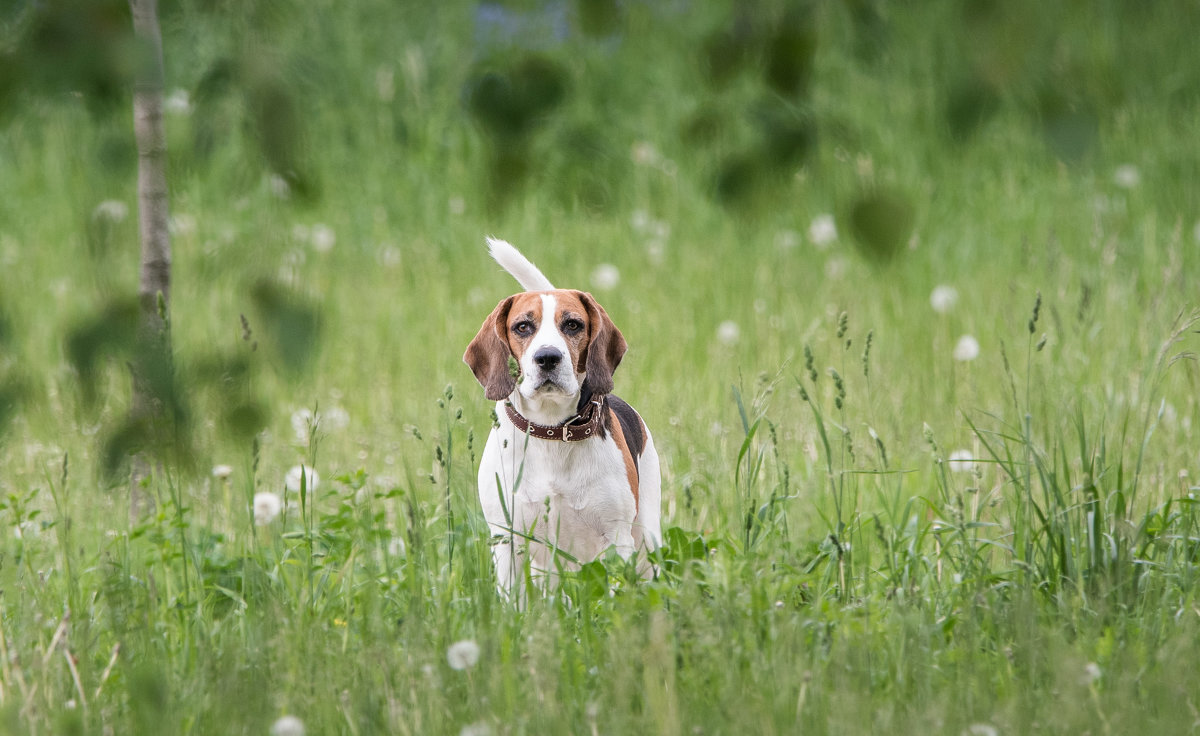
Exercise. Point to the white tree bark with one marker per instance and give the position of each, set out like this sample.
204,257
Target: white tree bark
151,137
154,289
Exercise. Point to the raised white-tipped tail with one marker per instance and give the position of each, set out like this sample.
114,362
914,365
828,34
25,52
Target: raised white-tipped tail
526,274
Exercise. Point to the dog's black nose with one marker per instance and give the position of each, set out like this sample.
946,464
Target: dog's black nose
547,358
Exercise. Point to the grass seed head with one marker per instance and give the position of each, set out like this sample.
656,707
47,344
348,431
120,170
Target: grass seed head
866,364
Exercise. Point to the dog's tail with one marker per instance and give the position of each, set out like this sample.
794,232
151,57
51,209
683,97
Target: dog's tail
526,274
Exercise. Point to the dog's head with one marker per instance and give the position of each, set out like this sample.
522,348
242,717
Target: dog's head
560,340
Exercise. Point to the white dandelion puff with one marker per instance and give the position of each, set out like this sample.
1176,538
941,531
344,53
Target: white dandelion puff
389,256
323,238
279,187
966,349
288,726
267,506
1091,673
113,210
222,472
178,102
334,418
1127,176
182,224
396,547
385,84
606,276
786,239
823,230
961,461
835,268
292,480
479,728
943,298
981,729
303,423
728,332
463,655
645,154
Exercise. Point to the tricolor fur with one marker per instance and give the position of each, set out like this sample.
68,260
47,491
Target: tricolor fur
538,495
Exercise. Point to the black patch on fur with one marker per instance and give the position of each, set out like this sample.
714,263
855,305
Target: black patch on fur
631,426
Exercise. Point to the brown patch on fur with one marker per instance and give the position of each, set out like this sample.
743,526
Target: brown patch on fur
525,307
596,349
487,355
631,469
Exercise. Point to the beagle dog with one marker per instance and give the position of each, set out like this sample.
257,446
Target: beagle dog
569,469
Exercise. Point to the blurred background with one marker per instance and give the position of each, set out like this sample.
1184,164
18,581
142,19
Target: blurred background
728,178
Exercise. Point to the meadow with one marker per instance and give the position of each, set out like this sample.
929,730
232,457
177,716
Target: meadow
911,295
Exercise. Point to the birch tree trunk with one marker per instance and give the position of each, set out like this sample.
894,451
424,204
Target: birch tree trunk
155,283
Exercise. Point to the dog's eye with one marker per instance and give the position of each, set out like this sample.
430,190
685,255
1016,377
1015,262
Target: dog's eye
572,326
524,328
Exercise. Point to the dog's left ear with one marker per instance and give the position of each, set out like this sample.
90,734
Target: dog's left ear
488,354
606,346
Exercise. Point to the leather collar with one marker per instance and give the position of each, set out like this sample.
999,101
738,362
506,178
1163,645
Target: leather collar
582,426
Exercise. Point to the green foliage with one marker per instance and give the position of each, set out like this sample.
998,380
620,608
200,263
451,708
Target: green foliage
867,533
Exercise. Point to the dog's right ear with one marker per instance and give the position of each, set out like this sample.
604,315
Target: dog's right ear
488,354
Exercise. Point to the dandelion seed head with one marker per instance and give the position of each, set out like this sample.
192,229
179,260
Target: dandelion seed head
267,506
323,238
1091,673
644,153
292,480
787,239
463,655
334,417
288,726
113,210
479,728
961,461
656,251
1127,176
605,277
728,332
182,224
943,298
835,268
966,349
981,729
178,103
222,472
385,84
396,547
303,422
822,231
279,187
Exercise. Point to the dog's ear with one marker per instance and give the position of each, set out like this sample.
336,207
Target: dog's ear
606,346
488,354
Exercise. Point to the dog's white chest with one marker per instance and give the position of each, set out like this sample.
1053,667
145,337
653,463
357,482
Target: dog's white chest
573,495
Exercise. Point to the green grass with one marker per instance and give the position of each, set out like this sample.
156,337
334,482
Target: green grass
828,569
